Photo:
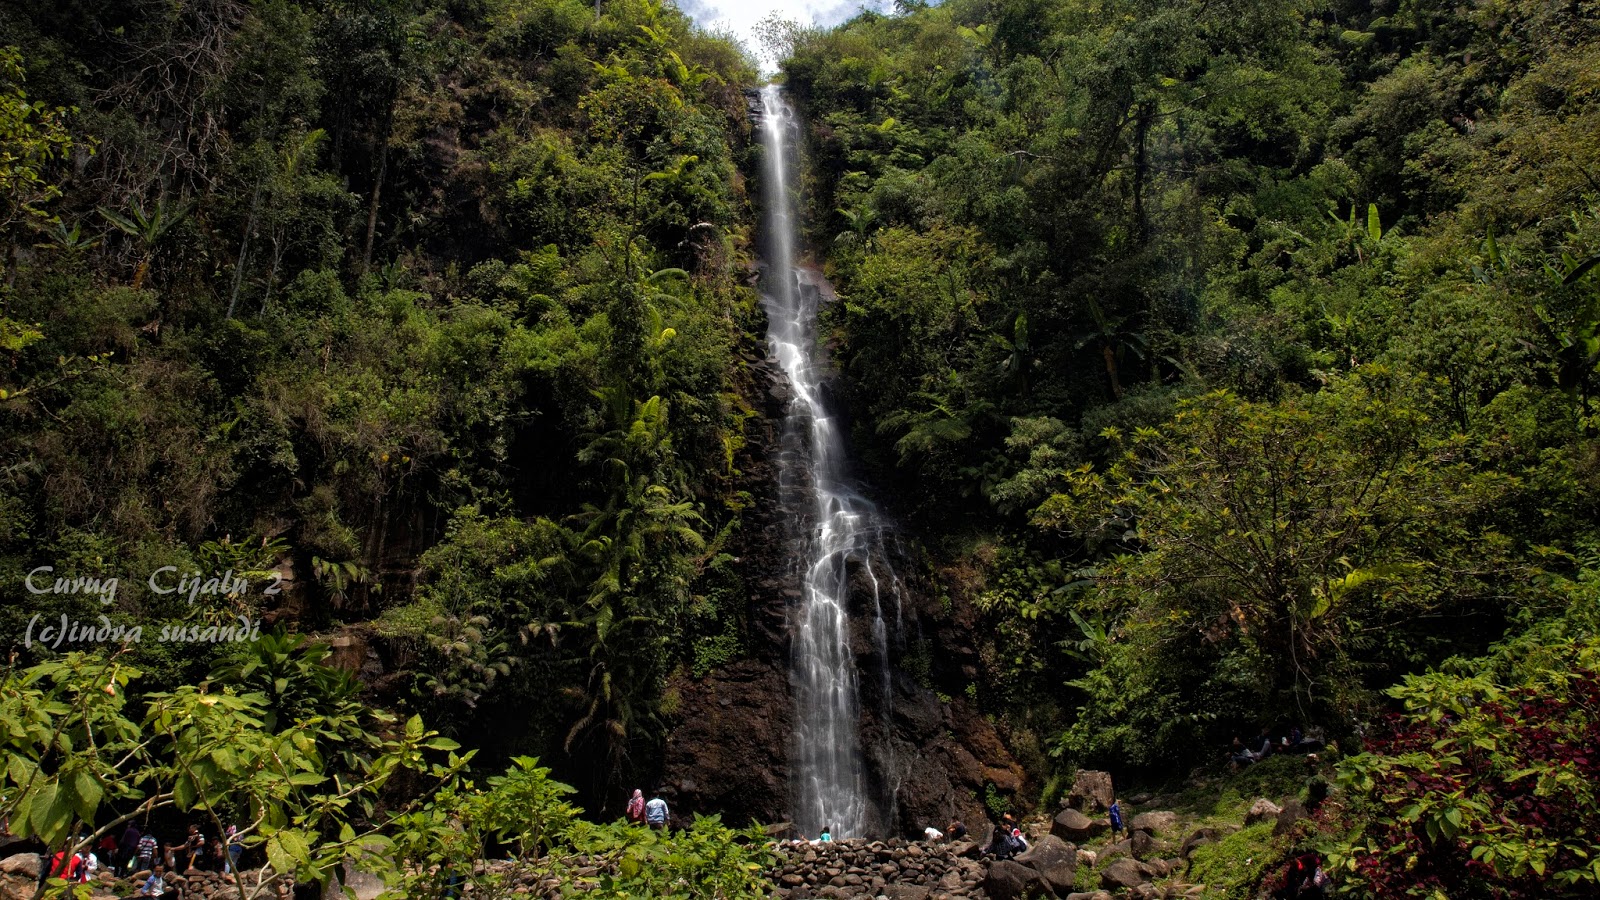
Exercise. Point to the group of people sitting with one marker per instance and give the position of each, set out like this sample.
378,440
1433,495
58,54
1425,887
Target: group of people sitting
1241,755
139,852
1006,840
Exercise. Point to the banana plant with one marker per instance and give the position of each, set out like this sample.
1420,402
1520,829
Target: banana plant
147,227
863,222
1018,353
70,239
1355,236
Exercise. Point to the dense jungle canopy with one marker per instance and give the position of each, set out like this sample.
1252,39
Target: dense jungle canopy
1236,363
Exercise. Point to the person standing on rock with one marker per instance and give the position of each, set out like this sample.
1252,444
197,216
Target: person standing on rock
128,849
235,848
146,853
635,811
1116,818
193,854
655,812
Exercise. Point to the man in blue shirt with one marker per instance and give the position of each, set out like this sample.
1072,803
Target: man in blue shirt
655,812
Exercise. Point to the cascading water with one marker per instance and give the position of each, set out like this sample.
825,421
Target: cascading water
845,534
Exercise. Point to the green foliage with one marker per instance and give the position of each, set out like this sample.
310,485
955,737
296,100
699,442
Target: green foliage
1234,866
706,860
1484,784
33,135
426,286
437,849
1271,540
77,765
1058,231
290,672
523,808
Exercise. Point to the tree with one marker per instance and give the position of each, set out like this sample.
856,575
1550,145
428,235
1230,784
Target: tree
1292,551
32,136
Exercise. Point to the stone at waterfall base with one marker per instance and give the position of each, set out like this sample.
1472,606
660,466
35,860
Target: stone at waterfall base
1009,880
1055,860
1075,827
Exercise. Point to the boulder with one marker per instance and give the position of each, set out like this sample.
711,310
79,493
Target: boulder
1124,874
906,891
1008,880
24,864
1293,811
1055,860
1154,822
1260,811
1199,838
1091,789
1088,858
16,887
1139,846
1074,827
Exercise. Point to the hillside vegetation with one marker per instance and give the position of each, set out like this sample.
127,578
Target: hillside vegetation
1239,361
431,307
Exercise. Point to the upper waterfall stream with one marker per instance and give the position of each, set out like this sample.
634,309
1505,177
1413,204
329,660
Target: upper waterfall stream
842,537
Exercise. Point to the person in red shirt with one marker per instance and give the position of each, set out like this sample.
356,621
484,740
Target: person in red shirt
70,867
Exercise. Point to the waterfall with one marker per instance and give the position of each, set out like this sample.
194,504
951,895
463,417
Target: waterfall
842,533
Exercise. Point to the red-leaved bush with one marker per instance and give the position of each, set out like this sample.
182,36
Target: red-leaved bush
1479,790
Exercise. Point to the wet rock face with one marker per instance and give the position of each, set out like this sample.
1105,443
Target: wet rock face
728,748
729,754
931,760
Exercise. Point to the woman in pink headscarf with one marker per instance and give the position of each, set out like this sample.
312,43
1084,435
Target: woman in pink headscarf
636,807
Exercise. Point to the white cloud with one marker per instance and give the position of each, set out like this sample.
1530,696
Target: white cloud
741,16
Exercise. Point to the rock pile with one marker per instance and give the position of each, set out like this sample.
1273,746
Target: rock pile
896,869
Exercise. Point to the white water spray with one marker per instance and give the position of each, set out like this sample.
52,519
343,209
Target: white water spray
845,535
